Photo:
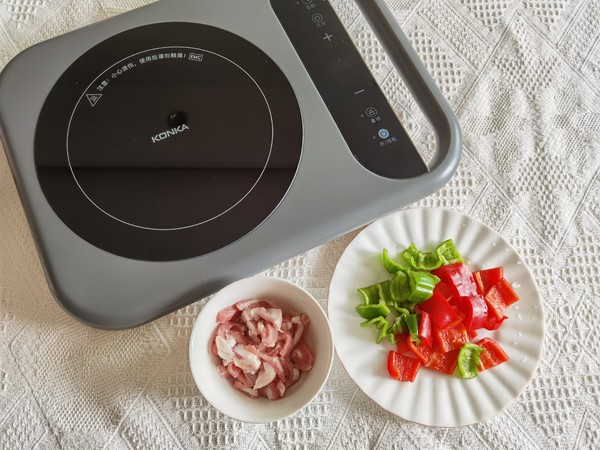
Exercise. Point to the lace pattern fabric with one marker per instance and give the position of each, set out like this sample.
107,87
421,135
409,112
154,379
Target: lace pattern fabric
524,79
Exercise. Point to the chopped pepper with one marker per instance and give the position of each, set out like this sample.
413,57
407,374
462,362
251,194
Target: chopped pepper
442,361
452,337
412,323
384,292
499,297
492,322
445,253
439,309
421,285
371,311
486,278
492,354
422,352
475,310
380,323
401,343
390,265
459,278
421,260
399,325
370,294
425,330
383,331
448,252
400,286
468,360
401,367
445,290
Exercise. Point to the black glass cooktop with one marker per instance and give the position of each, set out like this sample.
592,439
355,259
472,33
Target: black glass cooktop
168,141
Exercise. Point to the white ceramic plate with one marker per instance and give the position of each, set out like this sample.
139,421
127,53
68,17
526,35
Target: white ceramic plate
435,399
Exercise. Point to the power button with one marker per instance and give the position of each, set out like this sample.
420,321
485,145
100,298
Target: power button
383,133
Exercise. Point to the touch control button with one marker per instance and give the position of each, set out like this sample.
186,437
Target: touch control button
383,133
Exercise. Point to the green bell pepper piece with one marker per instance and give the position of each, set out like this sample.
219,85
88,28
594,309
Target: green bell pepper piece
381,323
421,260
372,311
400,286
399,325
468,360
448,252
421,286
384,292
412,322
445,253
383,331
390,265
401,310
370,294
374,321
409,306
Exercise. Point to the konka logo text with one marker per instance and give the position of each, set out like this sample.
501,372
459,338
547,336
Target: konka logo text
167,134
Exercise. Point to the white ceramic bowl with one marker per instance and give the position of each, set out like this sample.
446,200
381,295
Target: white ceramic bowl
219,391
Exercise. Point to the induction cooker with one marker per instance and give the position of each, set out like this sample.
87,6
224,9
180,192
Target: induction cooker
166,152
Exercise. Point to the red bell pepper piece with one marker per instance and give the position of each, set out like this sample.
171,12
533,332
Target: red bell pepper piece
444,288
500,296
459,277
451,338
425,329
401,345
486,278
422,352
460,317
444,362
475,310
440,311
492,354
401,367
492,322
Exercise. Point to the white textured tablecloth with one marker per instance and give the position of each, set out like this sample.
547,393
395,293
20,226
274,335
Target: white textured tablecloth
524,79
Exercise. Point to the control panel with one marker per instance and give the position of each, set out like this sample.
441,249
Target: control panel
361,111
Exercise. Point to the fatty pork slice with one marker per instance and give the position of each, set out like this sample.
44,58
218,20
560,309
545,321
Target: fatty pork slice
245,359
283,347
274,361
268,334
237,331
265,376
299,324
229,314
223,371
274,391
240,380
253,332
225,348
302,357
271,315
251,303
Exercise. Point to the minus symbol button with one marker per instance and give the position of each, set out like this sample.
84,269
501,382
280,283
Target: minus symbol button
359,92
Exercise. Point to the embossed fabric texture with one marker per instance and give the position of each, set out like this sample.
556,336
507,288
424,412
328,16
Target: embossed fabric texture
524,79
